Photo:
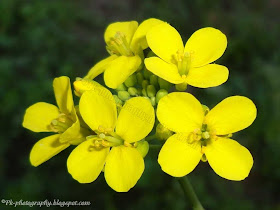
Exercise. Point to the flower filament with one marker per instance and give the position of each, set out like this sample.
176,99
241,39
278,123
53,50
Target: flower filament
118,45
61,123
184,62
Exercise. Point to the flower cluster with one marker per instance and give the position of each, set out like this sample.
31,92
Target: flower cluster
147,73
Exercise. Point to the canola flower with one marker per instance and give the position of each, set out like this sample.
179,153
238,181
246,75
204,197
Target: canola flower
125,43
112,132
189,64
61,119
114,145
205,135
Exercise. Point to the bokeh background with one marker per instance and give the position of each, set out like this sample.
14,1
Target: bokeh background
40,40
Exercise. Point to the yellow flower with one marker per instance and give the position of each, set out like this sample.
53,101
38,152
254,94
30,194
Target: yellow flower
125,44
63,120
190,64
115,142
200,135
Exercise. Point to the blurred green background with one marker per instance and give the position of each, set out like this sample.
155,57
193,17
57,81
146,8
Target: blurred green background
40,40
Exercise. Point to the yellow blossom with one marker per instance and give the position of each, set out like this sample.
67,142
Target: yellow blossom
189,64
63,120
116,140
205,136
125,43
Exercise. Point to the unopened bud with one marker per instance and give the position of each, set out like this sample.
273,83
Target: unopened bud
154,80
121,87
147,73
151,91
123,95
140,78
117,100
145,83
132,91
143,148
153,101
181,86
131,81
163,84
161,93
162,132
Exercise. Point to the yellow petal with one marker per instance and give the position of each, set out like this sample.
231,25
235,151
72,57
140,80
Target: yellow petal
45,149
229,159
206,45
124,167
127,28
63,94
85,162
180,112
139,38
233,114
120,69
136,119
163,69
98,108
99,67
210,75
177,157
165,42
38,117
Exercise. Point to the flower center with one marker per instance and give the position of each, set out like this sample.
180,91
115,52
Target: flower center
106,137
184,62
118,45
61,123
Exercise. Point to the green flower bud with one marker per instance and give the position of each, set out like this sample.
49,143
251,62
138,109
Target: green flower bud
163,84
123,95
131,81
153,100
143,147
144,92
160,94
154,80
181,86
117,100
121,87
145,83
205,109
151,91
147,74
140,78
162,132
132,91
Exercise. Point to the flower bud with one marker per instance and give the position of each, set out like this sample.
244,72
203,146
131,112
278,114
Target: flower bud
140,78
145,83
143,148
121,87
163,84
123,95
131,81
154,80
160,94
117,100
153,101
132,91
162,132
151,91
147,73
181,86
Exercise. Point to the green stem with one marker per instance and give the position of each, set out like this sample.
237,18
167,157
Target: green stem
155,146
189,193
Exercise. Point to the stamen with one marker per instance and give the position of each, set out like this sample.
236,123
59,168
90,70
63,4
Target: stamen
119,45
